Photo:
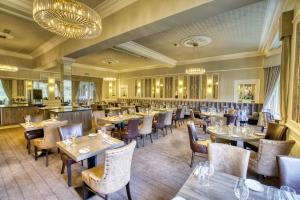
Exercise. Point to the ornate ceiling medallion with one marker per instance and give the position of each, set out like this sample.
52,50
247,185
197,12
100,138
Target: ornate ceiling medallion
195,41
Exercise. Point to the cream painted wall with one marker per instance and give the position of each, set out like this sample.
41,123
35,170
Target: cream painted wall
229,71
294,128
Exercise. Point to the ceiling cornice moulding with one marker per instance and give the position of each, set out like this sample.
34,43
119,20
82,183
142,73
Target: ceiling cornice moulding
15,54
147,52
141,68
21,5
84,66
109,7
50,44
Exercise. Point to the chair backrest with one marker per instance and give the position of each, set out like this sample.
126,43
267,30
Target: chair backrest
133,127
98,115
289,172
231,111
168,119
276,131
192,115
161,120
131,110
230,119
117,170
267,152
147,124
51,134
195,147
182,113
229,159
37,118
66,132
178,113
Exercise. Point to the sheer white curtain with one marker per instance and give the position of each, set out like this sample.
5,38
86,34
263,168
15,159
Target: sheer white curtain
272,104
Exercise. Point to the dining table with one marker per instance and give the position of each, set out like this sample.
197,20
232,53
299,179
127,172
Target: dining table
236,133
221,186
32,126
120,118
212,114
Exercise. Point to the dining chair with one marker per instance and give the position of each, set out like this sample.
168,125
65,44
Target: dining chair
196,145
51,136
182,115
30,135
160,124
168,120
199,122
146,128
176,117
66,132
230,119
275,131
131,132
289,172
111,176
99,123
263,163
229,159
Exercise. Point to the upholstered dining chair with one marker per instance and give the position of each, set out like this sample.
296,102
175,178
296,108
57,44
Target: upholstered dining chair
199,122
168,120
160,123
99,123
30,135
229,159
289,172
66,132
112,175
275,131
176,117
196,145
146,128
230,119
263,163
131,132
48,142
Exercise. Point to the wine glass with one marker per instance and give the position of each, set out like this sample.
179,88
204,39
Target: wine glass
73,136
241,190
287,193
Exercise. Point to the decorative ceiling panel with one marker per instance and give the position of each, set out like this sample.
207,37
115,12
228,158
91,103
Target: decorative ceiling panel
234,31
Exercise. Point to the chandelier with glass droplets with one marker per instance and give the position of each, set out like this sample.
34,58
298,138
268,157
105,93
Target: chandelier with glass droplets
67,18
195,71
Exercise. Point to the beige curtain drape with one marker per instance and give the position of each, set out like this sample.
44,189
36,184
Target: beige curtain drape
284,77
98,89
7,86
75,91
271,78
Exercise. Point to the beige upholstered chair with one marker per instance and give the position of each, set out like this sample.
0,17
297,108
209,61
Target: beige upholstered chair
168,120
231,111
229,159
99,123
198,122
51,136
264,161
146,128
112,175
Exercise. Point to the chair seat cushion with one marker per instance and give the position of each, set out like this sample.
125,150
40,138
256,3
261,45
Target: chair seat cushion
39,142
94,173
29,135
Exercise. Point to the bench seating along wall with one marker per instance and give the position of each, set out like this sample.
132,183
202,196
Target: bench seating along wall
196,105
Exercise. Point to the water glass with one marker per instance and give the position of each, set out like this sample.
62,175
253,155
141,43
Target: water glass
273,193
241,190
73,136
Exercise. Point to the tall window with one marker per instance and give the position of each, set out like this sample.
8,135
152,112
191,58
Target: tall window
67,90
42,86
3,97
273,105
86,90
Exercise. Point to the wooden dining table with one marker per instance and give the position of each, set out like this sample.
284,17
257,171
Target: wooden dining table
250,134
221,186
96,145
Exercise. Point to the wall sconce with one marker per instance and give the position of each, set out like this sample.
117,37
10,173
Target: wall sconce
180,86
139,84
51,88
209,85
51,80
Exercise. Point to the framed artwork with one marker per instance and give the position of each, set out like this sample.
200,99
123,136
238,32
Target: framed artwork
123,91
247,91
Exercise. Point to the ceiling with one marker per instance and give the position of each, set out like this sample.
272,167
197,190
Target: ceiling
231,32
124,61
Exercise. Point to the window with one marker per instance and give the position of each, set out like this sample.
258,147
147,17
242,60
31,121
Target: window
86,90
42,86
3,97
273,106
67,90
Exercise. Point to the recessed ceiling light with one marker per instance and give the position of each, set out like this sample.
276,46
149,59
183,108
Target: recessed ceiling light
196,41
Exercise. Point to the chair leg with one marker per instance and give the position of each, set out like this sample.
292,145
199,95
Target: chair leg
106,197
166,130
157,132
171,129
128,191
47,157
69,170
151,138
28,146
143,140
137,144
192,160
35,153
85,191
63,168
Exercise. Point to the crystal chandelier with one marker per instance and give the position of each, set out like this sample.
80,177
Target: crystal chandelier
67,18
195,71
109,79
8,68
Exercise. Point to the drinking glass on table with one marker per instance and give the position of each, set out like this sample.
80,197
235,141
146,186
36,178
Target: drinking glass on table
205,170
273,193
73,136
27,119
241,190
287,193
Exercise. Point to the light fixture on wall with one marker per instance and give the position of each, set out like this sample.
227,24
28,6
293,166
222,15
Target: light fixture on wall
209,85
109,79
195,71
67,18
8,68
